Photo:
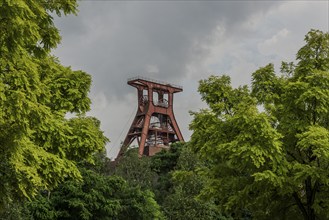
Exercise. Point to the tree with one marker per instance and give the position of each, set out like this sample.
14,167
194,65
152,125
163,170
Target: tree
182,201
39,147
270,163
164,164
135,170
97,196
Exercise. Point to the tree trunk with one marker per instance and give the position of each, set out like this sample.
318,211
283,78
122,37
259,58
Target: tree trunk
307,209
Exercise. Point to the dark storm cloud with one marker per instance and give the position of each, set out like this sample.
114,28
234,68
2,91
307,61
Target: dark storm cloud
117,40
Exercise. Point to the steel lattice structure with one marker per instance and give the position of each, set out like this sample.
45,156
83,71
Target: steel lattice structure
154,126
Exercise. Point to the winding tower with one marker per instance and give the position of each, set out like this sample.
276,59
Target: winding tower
154,126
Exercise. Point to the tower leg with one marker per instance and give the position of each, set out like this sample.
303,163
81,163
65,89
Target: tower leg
128,138
176,128
144,134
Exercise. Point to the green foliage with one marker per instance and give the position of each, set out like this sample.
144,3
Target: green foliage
165,161
182,202
172,175
41,208
314,54
221,97
138,204
136,171
39,147
271,164
97,196
149,173
15,211
94,198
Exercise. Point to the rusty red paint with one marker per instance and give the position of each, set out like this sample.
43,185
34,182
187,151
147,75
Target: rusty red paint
163,130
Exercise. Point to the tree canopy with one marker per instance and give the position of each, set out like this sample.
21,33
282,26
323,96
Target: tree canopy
39,146
98,196
267,148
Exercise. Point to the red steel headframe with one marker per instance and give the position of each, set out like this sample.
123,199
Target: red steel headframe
154,126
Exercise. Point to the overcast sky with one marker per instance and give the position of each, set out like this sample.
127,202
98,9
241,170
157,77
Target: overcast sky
179,42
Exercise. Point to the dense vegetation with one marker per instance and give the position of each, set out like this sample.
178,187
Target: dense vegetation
256,153
39,146
271,163
51,166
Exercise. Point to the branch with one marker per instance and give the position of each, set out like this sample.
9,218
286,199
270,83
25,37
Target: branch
300,205
314,111
308,188
301,156
315,188
293,156
318,162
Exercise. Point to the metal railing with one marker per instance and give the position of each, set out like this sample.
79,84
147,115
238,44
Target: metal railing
161,103
144,99
154,81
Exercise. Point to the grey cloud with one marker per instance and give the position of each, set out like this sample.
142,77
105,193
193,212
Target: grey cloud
171,41
117,40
